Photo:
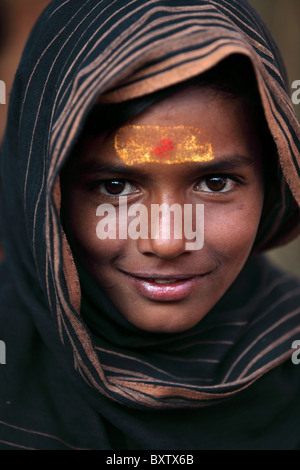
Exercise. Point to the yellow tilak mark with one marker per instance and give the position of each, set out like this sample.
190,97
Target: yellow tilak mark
155,144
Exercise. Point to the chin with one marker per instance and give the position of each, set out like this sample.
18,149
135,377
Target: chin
166,319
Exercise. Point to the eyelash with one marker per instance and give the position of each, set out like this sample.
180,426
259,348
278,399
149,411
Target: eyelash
111,180
205,179
229,178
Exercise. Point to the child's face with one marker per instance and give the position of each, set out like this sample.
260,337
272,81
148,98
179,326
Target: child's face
160,284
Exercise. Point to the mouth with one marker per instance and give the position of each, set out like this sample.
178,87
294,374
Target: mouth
166,288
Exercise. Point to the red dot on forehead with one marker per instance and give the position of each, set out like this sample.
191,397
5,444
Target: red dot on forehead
164,148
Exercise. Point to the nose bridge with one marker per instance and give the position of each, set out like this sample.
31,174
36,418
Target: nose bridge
166,221
165,226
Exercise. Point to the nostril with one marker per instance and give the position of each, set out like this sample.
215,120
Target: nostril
167,249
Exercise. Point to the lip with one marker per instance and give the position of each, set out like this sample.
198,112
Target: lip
183,287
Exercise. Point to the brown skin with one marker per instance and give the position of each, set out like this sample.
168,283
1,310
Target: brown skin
232,210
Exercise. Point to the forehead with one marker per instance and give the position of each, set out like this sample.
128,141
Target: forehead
193,125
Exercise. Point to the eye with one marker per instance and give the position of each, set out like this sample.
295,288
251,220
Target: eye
216,184
116,187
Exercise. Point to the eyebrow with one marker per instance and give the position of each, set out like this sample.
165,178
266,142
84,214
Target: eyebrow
97,167
224,163
229,162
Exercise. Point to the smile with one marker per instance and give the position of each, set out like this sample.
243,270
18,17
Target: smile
164,288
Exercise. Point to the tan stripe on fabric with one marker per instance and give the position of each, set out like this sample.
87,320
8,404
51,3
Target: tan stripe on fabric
39,433
258,338
270,347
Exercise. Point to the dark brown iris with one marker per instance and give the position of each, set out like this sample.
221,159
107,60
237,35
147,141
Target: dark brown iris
216,183
114,186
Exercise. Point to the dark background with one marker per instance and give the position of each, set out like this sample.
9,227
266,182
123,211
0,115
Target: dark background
281,16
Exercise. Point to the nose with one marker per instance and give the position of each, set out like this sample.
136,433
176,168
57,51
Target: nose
165,231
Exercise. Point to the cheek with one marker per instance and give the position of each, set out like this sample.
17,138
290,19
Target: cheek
231,231
82,224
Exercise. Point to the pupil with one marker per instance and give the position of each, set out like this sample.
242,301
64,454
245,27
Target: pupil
216,183
114,187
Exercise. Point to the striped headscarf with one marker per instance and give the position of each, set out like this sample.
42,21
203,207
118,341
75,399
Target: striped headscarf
83,51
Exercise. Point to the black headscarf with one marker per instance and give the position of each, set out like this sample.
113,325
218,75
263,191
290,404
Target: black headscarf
227,383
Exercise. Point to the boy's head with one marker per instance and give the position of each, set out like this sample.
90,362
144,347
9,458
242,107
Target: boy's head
197,146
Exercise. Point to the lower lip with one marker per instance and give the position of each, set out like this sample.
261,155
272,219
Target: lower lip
175,291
